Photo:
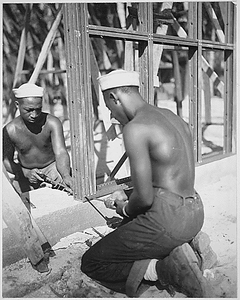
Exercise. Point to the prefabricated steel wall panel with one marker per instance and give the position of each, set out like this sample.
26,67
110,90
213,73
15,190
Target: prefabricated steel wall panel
79,98
77,32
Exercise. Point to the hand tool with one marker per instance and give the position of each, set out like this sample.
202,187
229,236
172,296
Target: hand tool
109,187
113,222
55,185
99,233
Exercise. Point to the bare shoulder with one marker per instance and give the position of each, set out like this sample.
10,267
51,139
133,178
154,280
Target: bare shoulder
136,133
11,127
53,121
135,128
55,126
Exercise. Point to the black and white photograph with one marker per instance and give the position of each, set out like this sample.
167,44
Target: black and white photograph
119,149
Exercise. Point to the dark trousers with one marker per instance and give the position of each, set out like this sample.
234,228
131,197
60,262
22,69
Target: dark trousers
171,221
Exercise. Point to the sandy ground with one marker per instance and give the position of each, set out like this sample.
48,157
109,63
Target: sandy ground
65,280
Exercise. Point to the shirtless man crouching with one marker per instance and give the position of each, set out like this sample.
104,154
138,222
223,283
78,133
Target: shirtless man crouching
39,141
164,212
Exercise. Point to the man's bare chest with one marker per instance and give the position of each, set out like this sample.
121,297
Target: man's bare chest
25,140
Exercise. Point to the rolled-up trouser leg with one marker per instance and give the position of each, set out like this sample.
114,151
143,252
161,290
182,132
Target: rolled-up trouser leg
134,285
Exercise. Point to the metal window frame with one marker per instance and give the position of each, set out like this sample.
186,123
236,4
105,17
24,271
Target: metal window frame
78,33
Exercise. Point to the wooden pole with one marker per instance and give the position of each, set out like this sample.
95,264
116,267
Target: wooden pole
22,47
219,32
20,60
43,240
46,47
25,196
19,221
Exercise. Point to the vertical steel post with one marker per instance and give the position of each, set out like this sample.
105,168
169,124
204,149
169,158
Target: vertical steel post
149,26
143,52
79,97
198,122
233,84
193,75
229,78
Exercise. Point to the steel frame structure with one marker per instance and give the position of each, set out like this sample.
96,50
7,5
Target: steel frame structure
77,39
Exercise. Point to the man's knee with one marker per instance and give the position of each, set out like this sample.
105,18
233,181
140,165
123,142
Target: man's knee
85,263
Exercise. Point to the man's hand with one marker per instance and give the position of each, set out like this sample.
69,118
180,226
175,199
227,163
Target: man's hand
34,175
119,195
68,181
119,206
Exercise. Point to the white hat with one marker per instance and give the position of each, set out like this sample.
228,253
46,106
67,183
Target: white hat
28,90
118,78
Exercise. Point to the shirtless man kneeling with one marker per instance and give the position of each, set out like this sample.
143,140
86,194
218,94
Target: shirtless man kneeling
164,212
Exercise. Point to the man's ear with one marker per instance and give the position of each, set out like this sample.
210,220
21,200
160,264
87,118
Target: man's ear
114,97
16,104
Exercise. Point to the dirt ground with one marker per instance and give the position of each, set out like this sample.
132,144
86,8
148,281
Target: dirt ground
65,280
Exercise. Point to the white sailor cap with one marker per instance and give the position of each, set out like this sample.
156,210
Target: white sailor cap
28,90
118,78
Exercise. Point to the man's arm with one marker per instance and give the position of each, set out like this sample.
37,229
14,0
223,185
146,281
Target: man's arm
8,154
59,148
8,160
136,140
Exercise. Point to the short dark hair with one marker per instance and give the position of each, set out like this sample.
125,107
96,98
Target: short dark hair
127,89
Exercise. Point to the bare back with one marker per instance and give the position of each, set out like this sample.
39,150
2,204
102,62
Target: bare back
33,145
165,141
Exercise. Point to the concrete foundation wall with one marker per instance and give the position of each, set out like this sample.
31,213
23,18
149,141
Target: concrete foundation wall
58,215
